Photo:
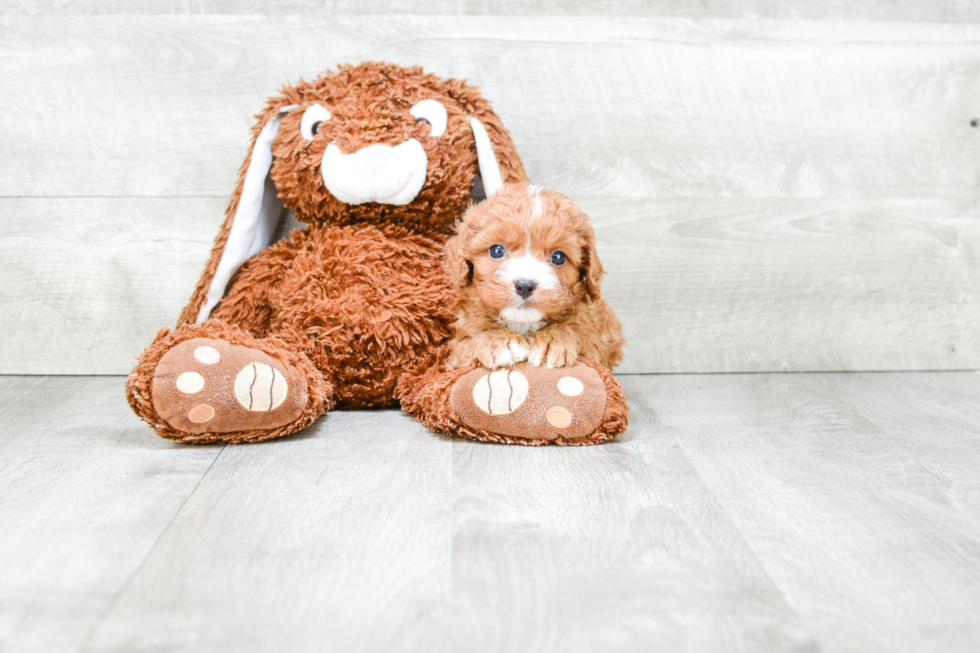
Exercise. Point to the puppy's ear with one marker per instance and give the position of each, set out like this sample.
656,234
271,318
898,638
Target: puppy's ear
591,269
459,269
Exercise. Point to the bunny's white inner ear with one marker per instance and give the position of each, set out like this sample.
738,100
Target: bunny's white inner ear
486,158
258,214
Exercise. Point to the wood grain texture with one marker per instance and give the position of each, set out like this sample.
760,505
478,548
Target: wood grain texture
337,539
769,195
85,492
630,106
856,492
878,10
617,547
792,284
805,512
89,281
370,533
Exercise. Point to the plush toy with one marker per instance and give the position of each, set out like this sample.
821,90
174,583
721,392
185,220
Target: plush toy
357,309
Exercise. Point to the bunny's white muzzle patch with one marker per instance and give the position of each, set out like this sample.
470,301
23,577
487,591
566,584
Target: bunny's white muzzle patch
377,173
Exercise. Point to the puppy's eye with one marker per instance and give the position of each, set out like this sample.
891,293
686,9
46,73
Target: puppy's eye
558,258
497,251
433,113
313,118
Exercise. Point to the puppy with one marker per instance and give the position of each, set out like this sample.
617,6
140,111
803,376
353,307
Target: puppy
528,279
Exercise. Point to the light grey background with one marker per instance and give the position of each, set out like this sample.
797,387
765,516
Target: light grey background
769,195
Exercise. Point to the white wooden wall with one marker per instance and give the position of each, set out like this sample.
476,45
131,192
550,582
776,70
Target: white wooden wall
775,185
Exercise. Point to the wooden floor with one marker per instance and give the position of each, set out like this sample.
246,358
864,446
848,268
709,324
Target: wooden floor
759,512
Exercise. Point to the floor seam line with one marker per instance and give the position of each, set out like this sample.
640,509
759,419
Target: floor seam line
125,586
741,536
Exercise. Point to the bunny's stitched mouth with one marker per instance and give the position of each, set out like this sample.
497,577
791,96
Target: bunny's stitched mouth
383,200
378,173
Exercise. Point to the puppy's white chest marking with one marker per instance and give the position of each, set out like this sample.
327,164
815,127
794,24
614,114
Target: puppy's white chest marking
523,328
521,319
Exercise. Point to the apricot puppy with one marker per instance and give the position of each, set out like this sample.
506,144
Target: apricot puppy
528,279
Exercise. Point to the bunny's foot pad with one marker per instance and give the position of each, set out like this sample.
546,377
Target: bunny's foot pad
563,405
207,385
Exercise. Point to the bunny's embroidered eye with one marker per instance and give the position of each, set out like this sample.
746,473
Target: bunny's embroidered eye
433,113
558,258
313,119
497,251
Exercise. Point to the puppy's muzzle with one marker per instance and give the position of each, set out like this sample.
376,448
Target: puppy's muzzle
525,287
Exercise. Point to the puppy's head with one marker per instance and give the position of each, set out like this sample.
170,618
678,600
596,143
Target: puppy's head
524,256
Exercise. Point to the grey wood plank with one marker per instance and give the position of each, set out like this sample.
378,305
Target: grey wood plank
369,533
337,539
700,285
628,106
89,281
86,490
886,10
792,284
613,548
940,432
832,512
851,490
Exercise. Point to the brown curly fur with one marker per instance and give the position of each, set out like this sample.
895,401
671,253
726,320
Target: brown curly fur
530,219
361,294
359,302
364,304
370,104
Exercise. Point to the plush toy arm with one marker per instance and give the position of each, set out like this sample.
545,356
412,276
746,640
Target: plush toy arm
249,303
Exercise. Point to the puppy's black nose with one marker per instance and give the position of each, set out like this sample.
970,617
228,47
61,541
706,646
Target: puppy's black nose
525,287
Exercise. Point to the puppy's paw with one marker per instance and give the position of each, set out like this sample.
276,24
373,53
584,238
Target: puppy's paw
552,351
495,351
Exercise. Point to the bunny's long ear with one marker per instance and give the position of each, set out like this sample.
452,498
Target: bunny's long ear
486,158
250,221
495,151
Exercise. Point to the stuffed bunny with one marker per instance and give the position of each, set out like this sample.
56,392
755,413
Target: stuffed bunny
355,310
